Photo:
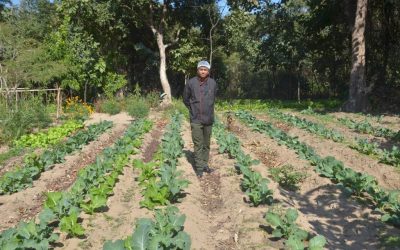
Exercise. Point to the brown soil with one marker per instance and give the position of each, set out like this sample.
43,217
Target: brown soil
386,175
217,216
123,209
348,133
391,122
15,161
324,207
152,147
27,203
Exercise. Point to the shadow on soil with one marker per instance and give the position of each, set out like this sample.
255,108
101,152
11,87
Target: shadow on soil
341,223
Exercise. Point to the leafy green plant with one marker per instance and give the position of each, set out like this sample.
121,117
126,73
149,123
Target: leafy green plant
312,127
165,232
287,177
23,177
95,179
366,147
110,106
358,184
252,183
256,188
50,137
164,184
29,116
285,226
137,107
70,225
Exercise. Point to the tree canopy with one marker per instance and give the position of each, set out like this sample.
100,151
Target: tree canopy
285,49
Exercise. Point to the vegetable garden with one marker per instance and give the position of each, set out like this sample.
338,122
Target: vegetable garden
113,182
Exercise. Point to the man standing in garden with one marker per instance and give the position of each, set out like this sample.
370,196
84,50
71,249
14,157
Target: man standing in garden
199,98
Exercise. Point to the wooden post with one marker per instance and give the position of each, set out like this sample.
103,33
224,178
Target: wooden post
58,101
16,99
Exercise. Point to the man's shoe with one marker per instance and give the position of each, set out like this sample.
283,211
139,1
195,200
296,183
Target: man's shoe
208,170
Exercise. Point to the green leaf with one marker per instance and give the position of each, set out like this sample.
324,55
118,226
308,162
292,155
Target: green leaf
70,225
273,219
293,243
141,236
317,243
114,245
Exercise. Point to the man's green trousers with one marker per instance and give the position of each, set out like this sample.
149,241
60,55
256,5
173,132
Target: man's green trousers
201,135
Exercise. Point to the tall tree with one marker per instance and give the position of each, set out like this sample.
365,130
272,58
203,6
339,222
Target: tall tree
358,90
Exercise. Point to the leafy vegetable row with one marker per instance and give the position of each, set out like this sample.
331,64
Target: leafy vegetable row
50,137
367,128
164,232
161,181
161,185
256,187
93,184
23,177
315,128
364,127
390,157
357,183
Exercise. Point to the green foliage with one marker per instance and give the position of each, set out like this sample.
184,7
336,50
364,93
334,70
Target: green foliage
137,107
312,127
366,127
287,177
50,137
29,115
164,232
22,177
160,179
252,183
110,106
285,226
356,183
28,235
69,224
63,207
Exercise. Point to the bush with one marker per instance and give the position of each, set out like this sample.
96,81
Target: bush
30,115
76,109
137,107
110,106
177,105
153,99
287,177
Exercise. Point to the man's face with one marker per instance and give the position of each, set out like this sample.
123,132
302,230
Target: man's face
202,72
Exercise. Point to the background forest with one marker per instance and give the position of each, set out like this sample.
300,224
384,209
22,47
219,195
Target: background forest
292,49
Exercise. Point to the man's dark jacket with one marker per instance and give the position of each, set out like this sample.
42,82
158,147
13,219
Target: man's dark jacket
199,99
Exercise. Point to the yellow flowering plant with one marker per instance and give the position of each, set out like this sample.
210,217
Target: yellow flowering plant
77,109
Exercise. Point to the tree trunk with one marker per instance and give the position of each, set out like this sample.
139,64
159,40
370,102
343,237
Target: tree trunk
163,68
358,90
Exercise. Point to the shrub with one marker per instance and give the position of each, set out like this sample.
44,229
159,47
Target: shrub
153,99
110,106
287,177
137,107
76,109
177,105
30,115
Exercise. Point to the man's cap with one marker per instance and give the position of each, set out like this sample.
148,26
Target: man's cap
204,64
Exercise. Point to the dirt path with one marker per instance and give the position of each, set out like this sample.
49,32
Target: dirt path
345,223
27,203
118,221
217,216
387,176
